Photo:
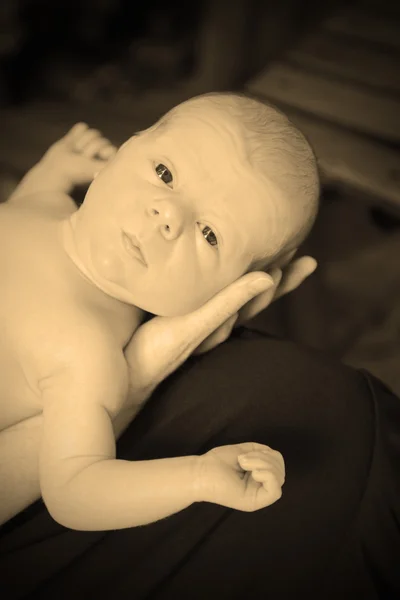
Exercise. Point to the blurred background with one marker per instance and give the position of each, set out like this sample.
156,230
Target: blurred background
332,66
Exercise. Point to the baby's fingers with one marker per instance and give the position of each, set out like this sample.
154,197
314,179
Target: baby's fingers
99,148
83,142
108,151
264,476
89,142
271,461
75,133
270,483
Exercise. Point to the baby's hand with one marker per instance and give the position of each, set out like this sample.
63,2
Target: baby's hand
245,477
78,156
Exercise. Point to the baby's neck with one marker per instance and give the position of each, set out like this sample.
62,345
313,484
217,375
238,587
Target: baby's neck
106,298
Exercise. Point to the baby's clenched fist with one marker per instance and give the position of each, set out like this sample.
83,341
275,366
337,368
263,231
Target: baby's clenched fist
77,157
245,477
88,142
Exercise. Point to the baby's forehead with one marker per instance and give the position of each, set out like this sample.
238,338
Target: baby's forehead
212,120
206,134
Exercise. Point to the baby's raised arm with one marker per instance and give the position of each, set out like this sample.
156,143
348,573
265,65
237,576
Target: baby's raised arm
73,160
82,483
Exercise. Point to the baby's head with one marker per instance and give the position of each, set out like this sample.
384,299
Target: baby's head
221,185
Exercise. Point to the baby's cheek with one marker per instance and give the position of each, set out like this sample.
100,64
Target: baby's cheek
108,259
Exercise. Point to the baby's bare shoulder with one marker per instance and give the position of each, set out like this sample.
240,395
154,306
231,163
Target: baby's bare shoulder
80,338
51,202
88,362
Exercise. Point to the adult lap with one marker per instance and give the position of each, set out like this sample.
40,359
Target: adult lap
332,426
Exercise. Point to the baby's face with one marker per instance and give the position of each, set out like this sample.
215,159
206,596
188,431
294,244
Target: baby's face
188,195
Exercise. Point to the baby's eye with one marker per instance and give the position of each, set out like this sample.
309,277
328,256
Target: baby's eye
210,236
164,173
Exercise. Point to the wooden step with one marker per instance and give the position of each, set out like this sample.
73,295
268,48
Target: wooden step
349,59
371,26
366,111
367,167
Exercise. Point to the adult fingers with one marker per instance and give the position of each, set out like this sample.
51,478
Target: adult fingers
247,312
208,318
261,301
217,337
284,282
295,274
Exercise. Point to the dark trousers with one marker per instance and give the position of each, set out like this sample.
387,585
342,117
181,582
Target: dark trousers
333,534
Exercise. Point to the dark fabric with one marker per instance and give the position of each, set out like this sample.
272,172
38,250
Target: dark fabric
333,534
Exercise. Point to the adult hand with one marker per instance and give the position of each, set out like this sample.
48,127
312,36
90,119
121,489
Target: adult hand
285,280
163,344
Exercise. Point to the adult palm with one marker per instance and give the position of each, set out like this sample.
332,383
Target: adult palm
163,344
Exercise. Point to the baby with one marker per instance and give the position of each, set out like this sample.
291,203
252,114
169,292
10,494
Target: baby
220,186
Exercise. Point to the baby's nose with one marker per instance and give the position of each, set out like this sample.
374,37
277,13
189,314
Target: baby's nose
170,217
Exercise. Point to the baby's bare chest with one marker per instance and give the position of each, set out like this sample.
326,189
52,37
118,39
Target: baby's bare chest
42,303
25,318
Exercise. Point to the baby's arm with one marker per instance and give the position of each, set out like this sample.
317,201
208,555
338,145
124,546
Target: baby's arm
73,160
82,483
19,460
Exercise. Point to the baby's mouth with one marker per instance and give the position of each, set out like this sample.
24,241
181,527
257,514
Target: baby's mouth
132,246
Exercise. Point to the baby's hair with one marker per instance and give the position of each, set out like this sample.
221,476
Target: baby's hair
278,151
